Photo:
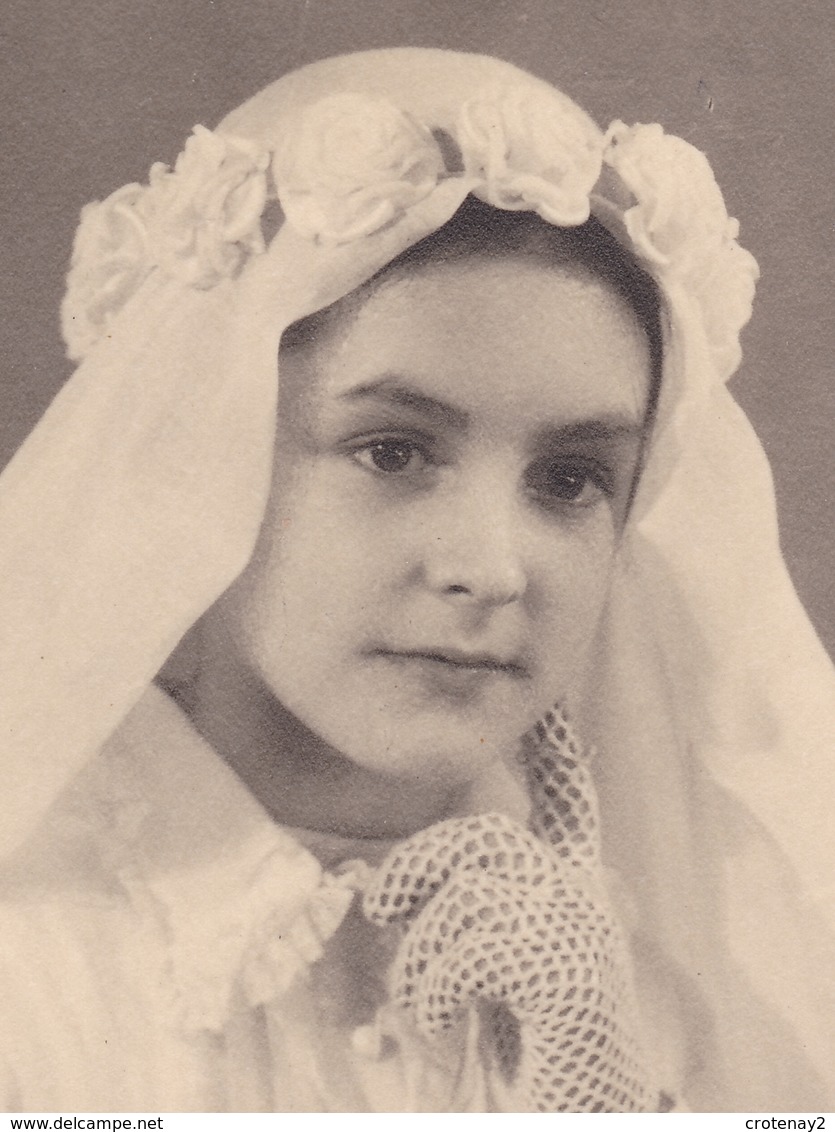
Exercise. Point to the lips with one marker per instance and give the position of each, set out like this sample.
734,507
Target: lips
459,660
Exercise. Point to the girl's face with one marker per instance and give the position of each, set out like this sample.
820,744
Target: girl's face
453,471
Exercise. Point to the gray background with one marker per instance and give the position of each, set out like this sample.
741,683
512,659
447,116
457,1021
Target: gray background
94,91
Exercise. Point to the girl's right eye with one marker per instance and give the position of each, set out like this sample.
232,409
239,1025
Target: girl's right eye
393,457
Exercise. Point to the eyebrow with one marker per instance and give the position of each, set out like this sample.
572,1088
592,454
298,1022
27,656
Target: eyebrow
609,427
392,389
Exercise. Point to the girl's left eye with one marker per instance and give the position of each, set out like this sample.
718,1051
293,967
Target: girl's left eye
568,483
392,457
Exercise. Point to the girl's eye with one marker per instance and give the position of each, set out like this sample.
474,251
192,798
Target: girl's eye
574,483
392,457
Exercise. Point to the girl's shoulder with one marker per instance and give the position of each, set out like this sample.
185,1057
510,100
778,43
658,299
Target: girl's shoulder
157,832
154,895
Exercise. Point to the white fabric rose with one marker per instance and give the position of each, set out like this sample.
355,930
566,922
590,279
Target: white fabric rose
205,216
351,165
726,296
197,224
680,226
680,212
109,261
531,152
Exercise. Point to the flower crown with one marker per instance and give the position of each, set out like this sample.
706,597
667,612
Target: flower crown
354,164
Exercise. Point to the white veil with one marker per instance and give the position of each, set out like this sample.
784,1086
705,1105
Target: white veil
138,498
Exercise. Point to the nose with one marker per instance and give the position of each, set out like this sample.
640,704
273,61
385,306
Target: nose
474,554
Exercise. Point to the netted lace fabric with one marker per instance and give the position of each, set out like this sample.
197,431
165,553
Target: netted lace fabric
563,801
518,924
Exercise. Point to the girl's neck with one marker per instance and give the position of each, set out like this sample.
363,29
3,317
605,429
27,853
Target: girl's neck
299,778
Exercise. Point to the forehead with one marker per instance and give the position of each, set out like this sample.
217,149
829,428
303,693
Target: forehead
514,337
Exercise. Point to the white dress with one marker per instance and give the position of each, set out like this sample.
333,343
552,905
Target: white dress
167,947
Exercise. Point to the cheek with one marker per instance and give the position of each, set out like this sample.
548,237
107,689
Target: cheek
313,576
573,591
585,572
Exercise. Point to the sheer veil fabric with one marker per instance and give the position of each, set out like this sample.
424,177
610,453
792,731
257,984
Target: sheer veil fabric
138,499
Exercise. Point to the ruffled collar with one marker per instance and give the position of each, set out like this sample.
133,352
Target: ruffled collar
243,907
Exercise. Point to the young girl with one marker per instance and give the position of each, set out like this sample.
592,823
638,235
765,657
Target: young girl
295,818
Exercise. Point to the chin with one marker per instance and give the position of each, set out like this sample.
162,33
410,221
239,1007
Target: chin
456,755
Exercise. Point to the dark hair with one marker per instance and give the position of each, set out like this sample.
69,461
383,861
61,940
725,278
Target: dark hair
480,230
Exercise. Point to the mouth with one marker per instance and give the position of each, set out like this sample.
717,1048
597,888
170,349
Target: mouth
459,660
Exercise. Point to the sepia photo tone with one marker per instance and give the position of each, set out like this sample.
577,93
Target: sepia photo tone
415,582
